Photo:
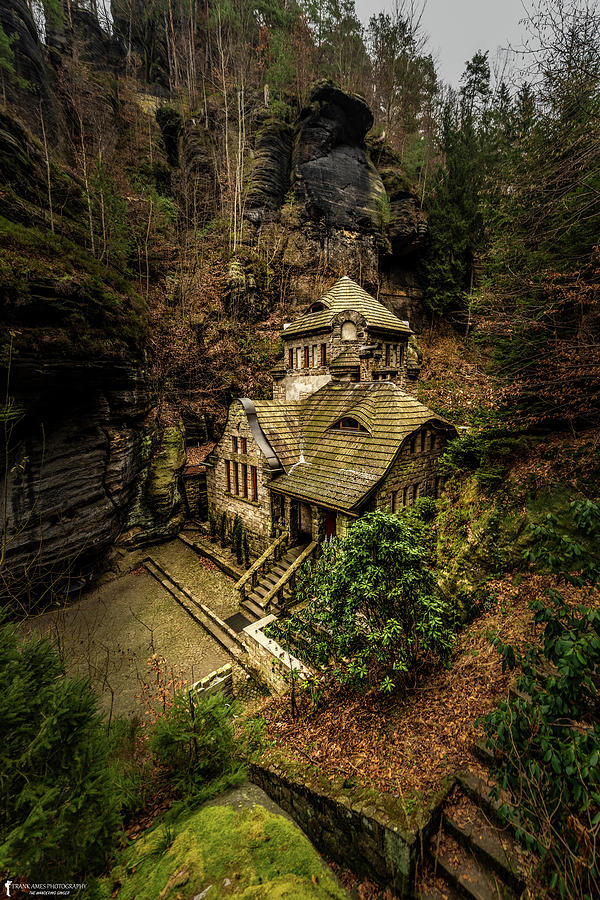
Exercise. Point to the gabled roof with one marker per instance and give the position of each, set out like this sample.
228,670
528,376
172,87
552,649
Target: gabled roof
348,295
334,467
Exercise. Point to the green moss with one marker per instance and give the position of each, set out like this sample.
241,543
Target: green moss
250,853
55,291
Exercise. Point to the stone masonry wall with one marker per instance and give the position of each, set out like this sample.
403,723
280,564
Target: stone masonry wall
412,470
273,662
372,839
255,515
301,380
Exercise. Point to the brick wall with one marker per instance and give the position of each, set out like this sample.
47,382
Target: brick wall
369,836
273,662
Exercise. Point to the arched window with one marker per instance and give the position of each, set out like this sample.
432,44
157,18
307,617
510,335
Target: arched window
349,424
316,307
349,332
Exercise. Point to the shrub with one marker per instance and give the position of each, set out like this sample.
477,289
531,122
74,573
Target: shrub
194,739
373,607
59,813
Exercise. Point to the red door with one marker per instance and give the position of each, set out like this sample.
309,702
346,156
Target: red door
330,524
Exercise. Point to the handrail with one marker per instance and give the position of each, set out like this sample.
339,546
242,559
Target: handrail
259,563
277,589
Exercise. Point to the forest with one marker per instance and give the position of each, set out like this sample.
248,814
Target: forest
179,179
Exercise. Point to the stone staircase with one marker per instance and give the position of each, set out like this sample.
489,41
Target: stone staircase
253,604
473,854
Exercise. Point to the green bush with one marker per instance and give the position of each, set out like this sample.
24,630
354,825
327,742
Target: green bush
59,813
194,739
130,766
372,603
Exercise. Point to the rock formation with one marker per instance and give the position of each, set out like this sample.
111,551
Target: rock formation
85,466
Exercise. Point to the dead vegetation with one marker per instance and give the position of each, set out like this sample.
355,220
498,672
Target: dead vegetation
406,744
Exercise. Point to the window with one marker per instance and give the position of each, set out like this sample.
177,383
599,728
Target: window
299,358
432,441
349,424
349,332
323,354
394,501
405,495
314,356
400,355
423,439
413,444
254,482
306,357
236,477
291,358
415,491
387,354
234,444
244,443
316,307
228,475
245,479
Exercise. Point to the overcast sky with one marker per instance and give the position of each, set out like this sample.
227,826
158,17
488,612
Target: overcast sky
457,28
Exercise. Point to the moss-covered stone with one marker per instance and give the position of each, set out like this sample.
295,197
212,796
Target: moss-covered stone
158,511
219,852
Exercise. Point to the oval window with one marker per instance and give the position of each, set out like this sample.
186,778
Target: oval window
349,331
316,307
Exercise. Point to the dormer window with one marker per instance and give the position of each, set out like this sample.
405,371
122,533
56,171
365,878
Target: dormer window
316,307
349,424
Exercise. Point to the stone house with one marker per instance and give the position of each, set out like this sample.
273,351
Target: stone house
342,435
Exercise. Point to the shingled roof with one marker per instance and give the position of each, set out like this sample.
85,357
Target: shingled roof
348,295
334,467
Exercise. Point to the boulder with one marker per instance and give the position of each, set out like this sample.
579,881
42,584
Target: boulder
333,175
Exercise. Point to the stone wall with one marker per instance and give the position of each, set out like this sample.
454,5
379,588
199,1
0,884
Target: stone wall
361,830
255,515
412,469
218,682
266,655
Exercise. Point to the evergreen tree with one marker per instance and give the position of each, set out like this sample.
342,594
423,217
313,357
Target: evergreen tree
59,814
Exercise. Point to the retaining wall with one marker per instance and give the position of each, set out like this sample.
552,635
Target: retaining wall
369,835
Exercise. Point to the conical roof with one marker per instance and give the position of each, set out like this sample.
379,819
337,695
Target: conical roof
346,295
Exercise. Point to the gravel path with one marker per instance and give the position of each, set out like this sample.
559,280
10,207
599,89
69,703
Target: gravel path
112,631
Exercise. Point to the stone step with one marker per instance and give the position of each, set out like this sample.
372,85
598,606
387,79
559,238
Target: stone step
253,609
483,752
480,793
494,847
465,872
437,889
